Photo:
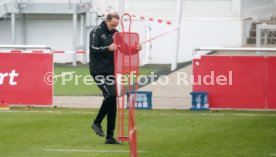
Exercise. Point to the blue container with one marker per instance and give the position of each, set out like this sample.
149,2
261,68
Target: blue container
143,99
200,101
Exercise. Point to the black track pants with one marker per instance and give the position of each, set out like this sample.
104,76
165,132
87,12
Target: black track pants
106,82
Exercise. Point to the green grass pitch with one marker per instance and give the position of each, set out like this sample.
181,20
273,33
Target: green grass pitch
76,86
55,132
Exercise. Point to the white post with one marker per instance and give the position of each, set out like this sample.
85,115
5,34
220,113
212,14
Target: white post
81,29
82,35
258,45
119,76
178,25
75,20
24,29
70,4
121,10
13,29
119,83
265,37
84,46
148,44
258,38
122,7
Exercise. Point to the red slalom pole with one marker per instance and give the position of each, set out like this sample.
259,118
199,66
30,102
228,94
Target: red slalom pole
126,60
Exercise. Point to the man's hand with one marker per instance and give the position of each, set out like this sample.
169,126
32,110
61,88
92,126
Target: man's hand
139,47
112,47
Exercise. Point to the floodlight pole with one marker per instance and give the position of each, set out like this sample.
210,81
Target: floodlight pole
178,25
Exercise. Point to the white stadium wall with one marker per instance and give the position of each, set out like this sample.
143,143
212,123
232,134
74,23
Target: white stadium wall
258,9
204,23
40,30
194,33
167,8
53,30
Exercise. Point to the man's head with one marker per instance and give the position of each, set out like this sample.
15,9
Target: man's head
112,21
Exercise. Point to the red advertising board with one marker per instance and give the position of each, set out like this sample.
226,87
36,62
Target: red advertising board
22,78
271,82
248,81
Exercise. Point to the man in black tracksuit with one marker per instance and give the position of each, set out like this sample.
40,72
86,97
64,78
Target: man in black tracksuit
102,70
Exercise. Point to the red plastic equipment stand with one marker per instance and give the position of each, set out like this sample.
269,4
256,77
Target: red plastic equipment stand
126,60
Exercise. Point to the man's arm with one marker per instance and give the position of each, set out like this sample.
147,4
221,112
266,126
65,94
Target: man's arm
95,42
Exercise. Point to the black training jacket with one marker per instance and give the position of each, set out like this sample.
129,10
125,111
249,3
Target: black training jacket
101,60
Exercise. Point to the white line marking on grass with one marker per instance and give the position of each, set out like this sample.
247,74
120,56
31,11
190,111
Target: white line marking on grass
220,114
64,73
272,154
240,114
96,151
56,112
